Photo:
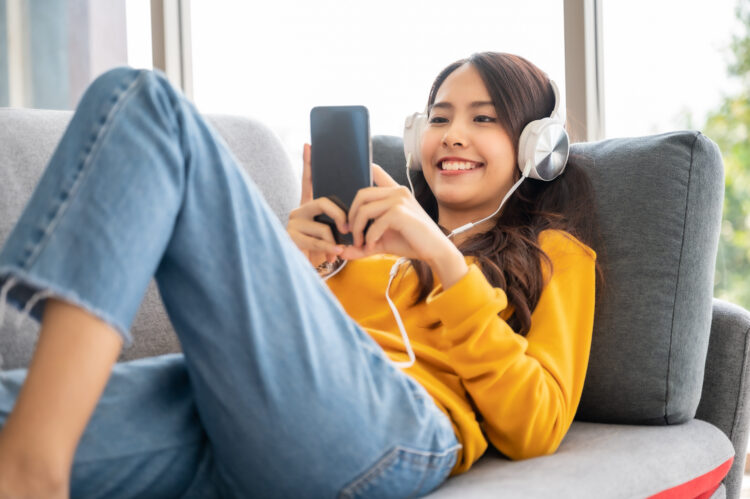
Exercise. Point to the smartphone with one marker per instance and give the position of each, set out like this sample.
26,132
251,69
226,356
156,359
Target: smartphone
341,158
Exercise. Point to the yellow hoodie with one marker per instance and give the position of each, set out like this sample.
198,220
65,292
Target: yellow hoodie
526,389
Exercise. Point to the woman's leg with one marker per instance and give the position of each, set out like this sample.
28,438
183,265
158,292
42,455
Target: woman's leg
144,439
295,398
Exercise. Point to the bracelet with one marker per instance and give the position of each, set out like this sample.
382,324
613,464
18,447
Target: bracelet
327,267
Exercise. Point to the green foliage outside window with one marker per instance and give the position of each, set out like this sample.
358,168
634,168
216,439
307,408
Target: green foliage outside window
728,127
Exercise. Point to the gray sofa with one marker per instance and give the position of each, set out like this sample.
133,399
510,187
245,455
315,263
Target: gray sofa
664,403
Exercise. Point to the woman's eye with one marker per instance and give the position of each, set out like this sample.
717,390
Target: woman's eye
481,119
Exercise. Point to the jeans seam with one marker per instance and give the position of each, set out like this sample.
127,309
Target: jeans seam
388,460
382,464
90,153
448,469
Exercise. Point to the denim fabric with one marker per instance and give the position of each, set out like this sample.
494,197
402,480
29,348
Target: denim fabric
278,392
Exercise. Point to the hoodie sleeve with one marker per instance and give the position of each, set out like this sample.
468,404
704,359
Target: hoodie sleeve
526,388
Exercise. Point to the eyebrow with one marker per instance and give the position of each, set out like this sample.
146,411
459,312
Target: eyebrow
448,105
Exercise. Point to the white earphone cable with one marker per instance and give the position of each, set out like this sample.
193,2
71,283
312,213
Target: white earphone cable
408,177
394,268
404,336
468,226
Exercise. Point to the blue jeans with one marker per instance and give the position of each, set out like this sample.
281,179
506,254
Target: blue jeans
278,392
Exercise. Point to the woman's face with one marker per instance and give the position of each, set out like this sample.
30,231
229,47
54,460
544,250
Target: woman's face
462,127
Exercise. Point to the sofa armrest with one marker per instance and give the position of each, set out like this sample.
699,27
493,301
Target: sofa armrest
724,400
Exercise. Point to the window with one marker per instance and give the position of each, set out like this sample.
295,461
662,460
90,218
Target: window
276,62
139,33
4,91
667,71
51,50
665,64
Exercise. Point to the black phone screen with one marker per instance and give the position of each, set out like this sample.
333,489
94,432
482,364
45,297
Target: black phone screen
341,157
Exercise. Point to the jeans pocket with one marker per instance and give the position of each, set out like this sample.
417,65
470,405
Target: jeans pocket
403,472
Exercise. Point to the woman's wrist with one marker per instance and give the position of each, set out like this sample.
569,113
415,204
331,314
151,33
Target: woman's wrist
326,267
449,266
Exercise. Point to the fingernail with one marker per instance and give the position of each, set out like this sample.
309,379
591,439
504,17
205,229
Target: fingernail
339,249
346,227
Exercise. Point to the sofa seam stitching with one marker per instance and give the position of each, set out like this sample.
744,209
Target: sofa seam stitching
677,281
742,382
742,387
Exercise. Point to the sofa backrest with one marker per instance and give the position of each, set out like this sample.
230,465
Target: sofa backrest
658,205
659,202
27,139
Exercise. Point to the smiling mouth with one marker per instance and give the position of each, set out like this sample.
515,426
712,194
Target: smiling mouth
458,165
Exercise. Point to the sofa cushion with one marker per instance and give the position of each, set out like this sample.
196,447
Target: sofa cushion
601,460
27,140
659,204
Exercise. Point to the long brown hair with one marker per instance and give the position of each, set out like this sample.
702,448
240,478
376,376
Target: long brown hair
509,254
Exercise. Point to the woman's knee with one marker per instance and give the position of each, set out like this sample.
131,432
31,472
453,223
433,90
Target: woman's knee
111,80
149,85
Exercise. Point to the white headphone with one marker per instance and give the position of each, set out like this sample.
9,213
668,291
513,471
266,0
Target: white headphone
543,149
544,143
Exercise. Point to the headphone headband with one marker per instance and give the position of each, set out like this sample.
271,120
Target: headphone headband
557,111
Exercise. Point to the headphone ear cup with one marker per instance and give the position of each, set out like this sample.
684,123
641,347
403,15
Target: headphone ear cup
544,143
413,127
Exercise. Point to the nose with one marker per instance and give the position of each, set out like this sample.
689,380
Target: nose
454,136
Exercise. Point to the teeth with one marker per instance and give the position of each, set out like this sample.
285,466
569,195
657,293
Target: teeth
458,165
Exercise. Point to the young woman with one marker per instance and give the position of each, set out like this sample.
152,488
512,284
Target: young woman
287,385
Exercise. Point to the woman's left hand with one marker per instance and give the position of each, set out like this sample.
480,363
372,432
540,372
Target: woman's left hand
401,226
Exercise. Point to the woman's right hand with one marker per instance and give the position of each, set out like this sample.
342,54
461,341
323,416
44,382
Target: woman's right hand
315,239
